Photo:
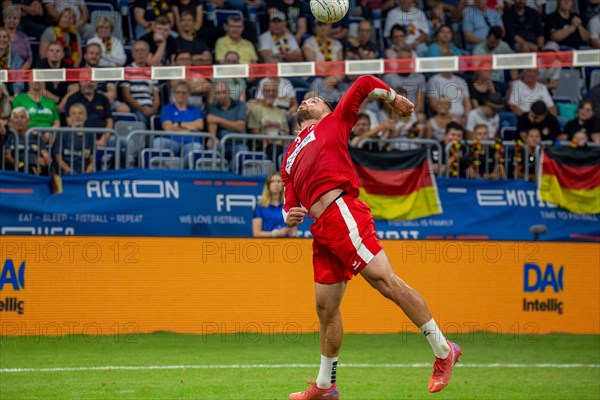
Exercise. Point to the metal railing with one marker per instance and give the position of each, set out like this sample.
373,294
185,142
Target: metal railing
243,153
588,144
512,162
50,147
257,152
77,151
170,147
12,143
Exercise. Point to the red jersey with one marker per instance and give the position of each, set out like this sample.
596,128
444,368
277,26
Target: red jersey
318,160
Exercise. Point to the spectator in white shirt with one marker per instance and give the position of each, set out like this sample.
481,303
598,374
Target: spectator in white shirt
528,90
486,114
113,53
286,94
277,44
415,21
454,88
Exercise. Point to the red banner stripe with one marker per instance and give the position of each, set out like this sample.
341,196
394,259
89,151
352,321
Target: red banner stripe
393,183
16,191
554,59
465,63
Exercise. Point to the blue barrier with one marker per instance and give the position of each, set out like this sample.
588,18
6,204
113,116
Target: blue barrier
191,203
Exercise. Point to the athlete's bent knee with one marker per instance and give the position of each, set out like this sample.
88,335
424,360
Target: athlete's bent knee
326,313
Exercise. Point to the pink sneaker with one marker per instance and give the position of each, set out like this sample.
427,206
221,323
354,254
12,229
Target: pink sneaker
314,393
442,369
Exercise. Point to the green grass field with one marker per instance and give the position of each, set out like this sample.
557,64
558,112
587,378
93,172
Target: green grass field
249,366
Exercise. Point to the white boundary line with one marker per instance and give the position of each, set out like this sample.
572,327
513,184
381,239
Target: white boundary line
278,366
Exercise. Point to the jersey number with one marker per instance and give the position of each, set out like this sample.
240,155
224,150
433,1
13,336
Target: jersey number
290,161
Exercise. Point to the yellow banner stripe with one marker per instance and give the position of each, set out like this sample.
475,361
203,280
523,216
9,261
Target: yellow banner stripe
422,203
580,201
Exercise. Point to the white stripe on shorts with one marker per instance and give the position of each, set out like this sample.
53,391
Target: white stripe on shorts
362,251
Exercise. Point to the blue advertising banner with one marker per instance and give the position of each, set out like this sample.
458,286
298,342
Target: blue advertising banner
131,202
190,203
494,210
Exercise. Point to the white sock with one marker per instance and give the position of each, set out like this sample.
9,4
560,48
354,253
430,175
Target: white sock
436,339
327,372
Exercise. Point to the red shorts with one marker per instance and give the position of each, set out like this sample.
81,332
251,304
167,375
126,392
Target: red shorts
345,240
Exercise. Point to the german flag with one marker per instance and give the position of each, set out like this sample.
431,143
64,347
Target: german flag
570,178
397,185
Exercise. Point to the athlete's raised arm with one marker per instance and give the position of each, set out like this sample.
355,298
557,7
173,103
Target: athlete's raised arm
368,86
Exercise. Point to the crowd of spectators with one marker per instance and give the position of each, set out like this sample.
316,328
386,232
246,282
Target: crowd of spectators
449,106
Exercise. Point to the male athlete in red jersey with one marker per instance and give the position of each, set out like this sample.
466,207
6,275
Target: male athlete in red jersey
319,178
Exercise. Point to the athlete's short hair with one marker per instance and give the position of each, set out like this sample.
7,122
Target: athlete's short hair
328,104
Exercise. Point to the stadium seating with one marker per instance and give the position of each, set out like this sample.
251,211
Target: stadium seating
257,167
507,118
594,78
570,85
241,157
155,124
153,158
160,162
117,116
94,6
205,160
567,108
105,157
137,143
124,127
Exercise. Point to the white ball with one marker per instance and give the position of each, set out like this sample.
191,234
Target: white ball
329,11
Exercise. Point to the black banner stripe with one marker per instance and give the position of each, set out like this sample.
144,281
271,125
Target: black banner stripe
389,160
575,156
